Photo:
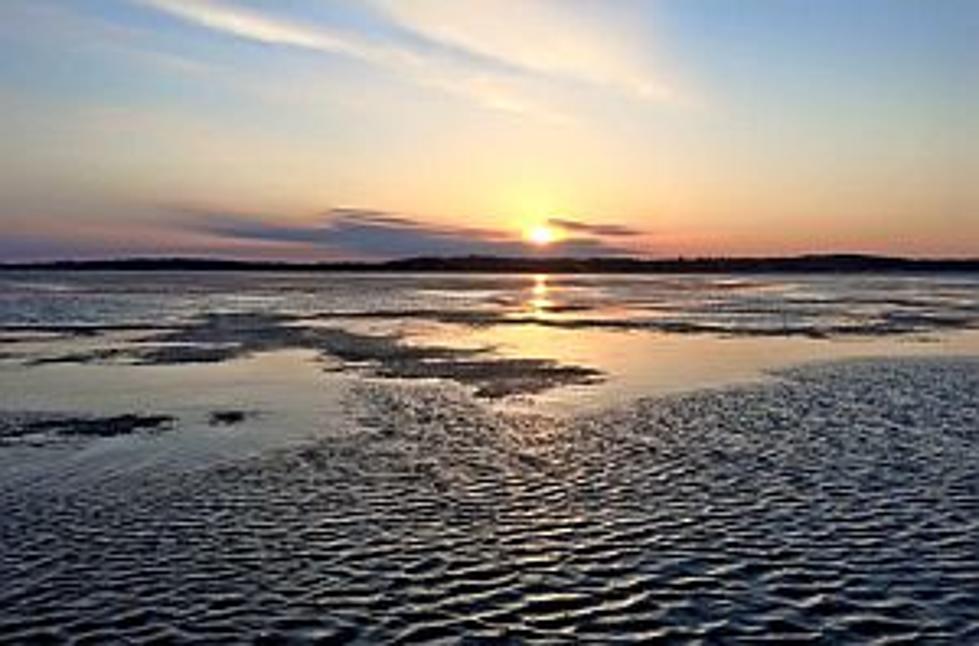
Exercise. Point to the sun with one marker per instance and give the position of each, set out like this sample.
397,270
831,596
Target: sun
541,235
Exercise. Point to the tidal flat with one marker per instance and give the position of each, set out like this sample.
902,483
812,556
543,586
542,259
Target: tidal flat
315,458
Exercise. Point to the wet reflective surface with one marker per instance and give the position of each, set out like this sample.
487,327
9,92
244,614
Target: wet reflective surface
581,341
225,457
805,305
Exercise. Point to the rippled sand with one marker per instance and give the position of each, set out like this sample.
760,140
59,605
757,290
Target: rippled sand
839,502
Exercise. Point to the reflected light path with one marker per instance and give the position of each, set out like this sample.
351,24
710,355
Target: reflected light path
539,302
647,362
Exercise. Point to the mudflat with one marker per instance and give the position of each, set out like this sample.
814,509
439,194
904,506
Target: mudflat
382,458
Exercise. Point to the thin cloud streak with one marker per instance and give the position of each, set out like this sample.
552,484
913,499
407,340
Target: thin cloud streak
487,76
552,38
255,26
603,230
495,94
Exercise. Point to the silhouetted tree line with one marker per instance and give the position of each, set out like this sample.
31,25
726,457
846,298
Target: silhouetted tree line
828,263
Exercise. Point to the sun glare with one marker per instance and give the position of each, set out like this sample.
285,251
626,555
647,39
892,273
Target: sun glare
541,235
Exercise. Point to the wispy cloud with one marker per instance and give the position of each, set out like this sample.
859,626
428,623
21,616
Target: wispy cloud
471,50
347,232
602,230
260,27
591,42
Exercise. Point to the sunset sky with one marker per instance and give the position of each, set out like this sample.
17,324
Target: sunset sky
318,129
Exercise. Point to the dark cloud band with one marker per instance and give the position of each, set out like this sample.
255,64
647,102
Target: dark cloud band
381,234
601,230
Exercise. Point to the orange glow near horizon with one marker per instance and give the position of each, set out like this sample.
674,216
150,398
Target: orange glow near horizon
565,127
541,235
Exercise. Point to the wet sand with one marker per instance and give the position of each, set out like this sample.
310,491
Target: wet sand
840,503
292,474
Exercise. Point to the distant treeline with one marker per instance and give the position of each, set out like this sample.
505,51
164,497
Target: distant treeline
829,263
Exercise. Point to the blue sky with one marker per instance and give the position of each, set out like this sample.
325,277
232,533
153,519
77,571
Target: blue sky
701,126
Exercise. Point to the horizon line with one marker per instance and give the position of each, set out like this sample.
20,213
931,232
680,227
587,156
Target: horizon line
482,263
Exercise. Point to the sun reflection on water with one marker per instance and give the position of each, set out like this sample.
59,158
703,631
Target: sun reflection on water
539,302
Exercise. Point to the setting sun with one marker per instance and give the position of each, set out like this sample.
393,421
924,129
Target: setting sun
541,235
603,319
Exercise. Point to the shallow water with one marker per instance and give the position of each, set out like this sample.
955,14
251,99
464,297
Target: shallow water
645,334
374,458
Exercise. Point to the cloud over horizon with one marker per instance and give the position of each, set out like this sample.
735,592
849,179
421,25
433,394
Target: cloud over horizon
696,128
373,234
602,230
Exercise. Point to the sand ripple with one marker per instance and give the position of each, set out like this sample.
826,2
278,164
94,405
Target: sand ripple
839,504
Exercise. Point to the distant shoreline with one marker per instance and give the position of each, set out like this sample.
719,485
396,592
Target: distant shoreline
827,263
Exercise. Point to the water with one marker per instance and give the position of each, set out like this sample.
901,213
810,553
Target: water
815,305
642,335
524,458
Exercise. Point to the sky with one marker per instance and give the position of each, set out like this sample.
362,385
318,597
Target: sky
370,129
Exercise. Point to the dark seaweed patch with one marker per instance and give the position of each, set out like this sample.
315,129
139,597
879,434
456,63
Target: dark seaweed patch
222,337
13,426
228,417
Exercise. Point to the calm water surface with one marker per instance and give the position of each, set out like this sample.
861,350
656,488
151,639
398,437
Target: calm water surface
646,334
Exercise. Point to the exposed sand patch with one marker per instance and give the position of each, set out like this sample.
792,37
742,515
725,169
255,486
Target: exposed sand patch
839,503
